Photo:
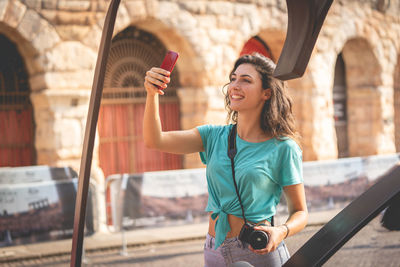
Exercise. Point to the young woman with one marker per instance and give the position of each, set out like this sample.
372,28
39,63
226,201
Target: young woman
268,161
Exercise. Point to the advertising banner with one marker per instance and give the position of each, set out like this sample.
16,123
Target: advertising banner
171,197
334,183
37,204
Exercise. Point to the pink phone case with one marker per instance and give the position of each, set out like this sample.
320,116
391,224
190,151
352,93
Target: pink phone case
169,61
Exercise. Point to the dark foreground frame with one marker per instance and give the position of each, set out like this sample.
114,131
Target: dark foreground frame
330,238
90,133
305,19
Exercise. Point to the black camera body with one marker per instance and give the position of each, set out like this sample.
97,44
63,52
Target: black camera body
256,238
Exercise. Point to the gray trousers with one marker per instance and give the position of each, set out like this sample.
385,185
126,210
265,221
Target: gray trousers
233,250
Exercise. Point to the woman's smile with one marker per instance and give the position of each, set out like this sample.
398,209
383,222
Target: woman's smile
236,97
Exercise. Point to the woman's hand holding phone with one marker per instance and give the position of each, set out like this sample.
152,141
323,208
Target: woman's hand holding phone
156,81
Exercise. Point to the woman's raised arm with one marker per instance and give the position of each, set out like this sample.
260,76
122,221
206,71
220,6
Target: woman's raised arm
178,142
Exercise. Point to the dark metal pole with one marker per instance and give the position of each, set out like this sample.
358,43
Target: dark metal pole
305,19
90,133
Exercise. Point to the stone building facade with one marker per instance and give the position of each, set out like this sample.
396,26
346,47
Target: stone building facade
356,62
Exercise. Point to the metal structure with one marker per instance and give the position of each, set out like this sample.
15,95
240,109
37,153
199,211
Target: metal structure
331,237
305,21
90,133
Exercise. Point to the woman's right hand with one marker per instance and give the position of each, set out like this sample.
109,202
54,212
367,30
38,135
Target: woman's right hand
156,81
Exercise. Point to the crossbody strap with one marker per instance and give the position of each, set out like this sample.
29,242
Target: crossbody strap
231,154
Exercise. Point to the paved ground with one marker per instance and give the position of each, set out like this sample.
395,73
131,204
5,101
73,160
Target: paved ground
372,246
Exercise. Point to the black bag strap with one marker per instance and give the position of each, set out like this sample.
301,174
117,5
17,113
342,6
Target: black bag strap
231,154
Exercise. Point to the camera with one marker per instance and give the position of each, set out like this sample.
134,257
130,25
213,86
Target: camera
256,238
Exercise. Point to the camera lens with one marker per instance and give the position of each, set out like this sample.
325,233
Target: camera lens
258,239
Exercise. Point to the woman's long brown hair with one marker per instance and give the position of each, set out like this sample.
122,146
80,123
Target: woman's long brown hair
276,117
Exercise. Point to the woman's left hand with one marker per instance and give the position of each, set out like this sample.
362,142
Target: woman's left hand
276,236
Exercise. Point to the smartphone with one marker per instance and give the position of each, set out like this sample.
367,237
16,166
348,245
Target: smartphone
169,61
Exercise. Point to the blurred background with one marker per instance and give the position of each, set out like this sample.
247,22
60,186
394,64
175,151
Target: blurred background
347,105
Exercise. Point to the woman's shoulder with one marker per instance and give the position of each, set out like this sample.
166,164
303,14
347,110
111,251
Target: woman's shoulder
213,129
287,144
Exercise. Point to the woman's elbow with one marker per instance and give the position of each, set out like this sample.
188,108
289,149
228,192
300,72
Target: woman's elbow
150,144
305,214
302,217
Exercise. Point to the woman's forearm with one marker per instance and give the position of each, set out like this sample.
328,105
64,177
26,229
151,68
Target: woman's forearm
152,129
296,202
177,142
295,223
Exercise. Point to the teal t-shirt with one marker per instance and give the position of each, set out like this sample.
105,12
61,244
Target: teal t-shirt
261,170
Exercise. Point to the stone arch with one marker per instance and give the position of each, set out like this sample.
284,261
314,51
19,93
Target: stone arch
33,36
192,72
271,37
134,51
339,96
17,125
193,78
396,100
363,77
271,40
30,32
26,50
274,38
256,45
144,15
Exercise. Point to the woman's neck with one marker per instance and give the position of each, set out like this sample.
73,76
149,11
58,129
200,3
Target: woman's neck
249,129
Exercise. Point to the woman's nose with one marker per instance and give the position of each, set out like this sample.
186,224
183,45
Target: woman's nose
234,85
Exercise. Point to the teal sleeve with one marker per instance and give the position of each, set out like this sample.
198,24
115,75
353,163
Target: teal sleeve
291,170
204,131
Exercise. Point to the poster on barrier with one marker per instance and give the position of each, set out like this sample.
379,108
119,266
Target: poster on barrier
334,183
157,198
180,196
37,204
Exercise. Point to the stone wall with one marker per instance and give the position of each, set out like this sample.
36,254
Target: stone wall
369,41
59,40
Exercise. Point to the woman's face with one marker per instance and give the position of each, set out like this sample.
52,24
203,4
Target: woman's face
245,89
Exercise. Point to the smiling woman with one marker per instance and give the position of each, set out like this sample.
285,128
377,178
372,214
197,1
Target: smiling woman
245,92
276,115
268,162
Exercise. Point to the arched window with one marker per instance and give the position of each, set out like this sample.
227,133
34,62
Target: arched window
340,107
256,44
16,113
122,150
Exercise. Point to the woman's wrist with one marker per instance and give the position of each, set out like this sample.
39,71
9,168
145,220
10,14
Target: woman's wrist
286,230
150,94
